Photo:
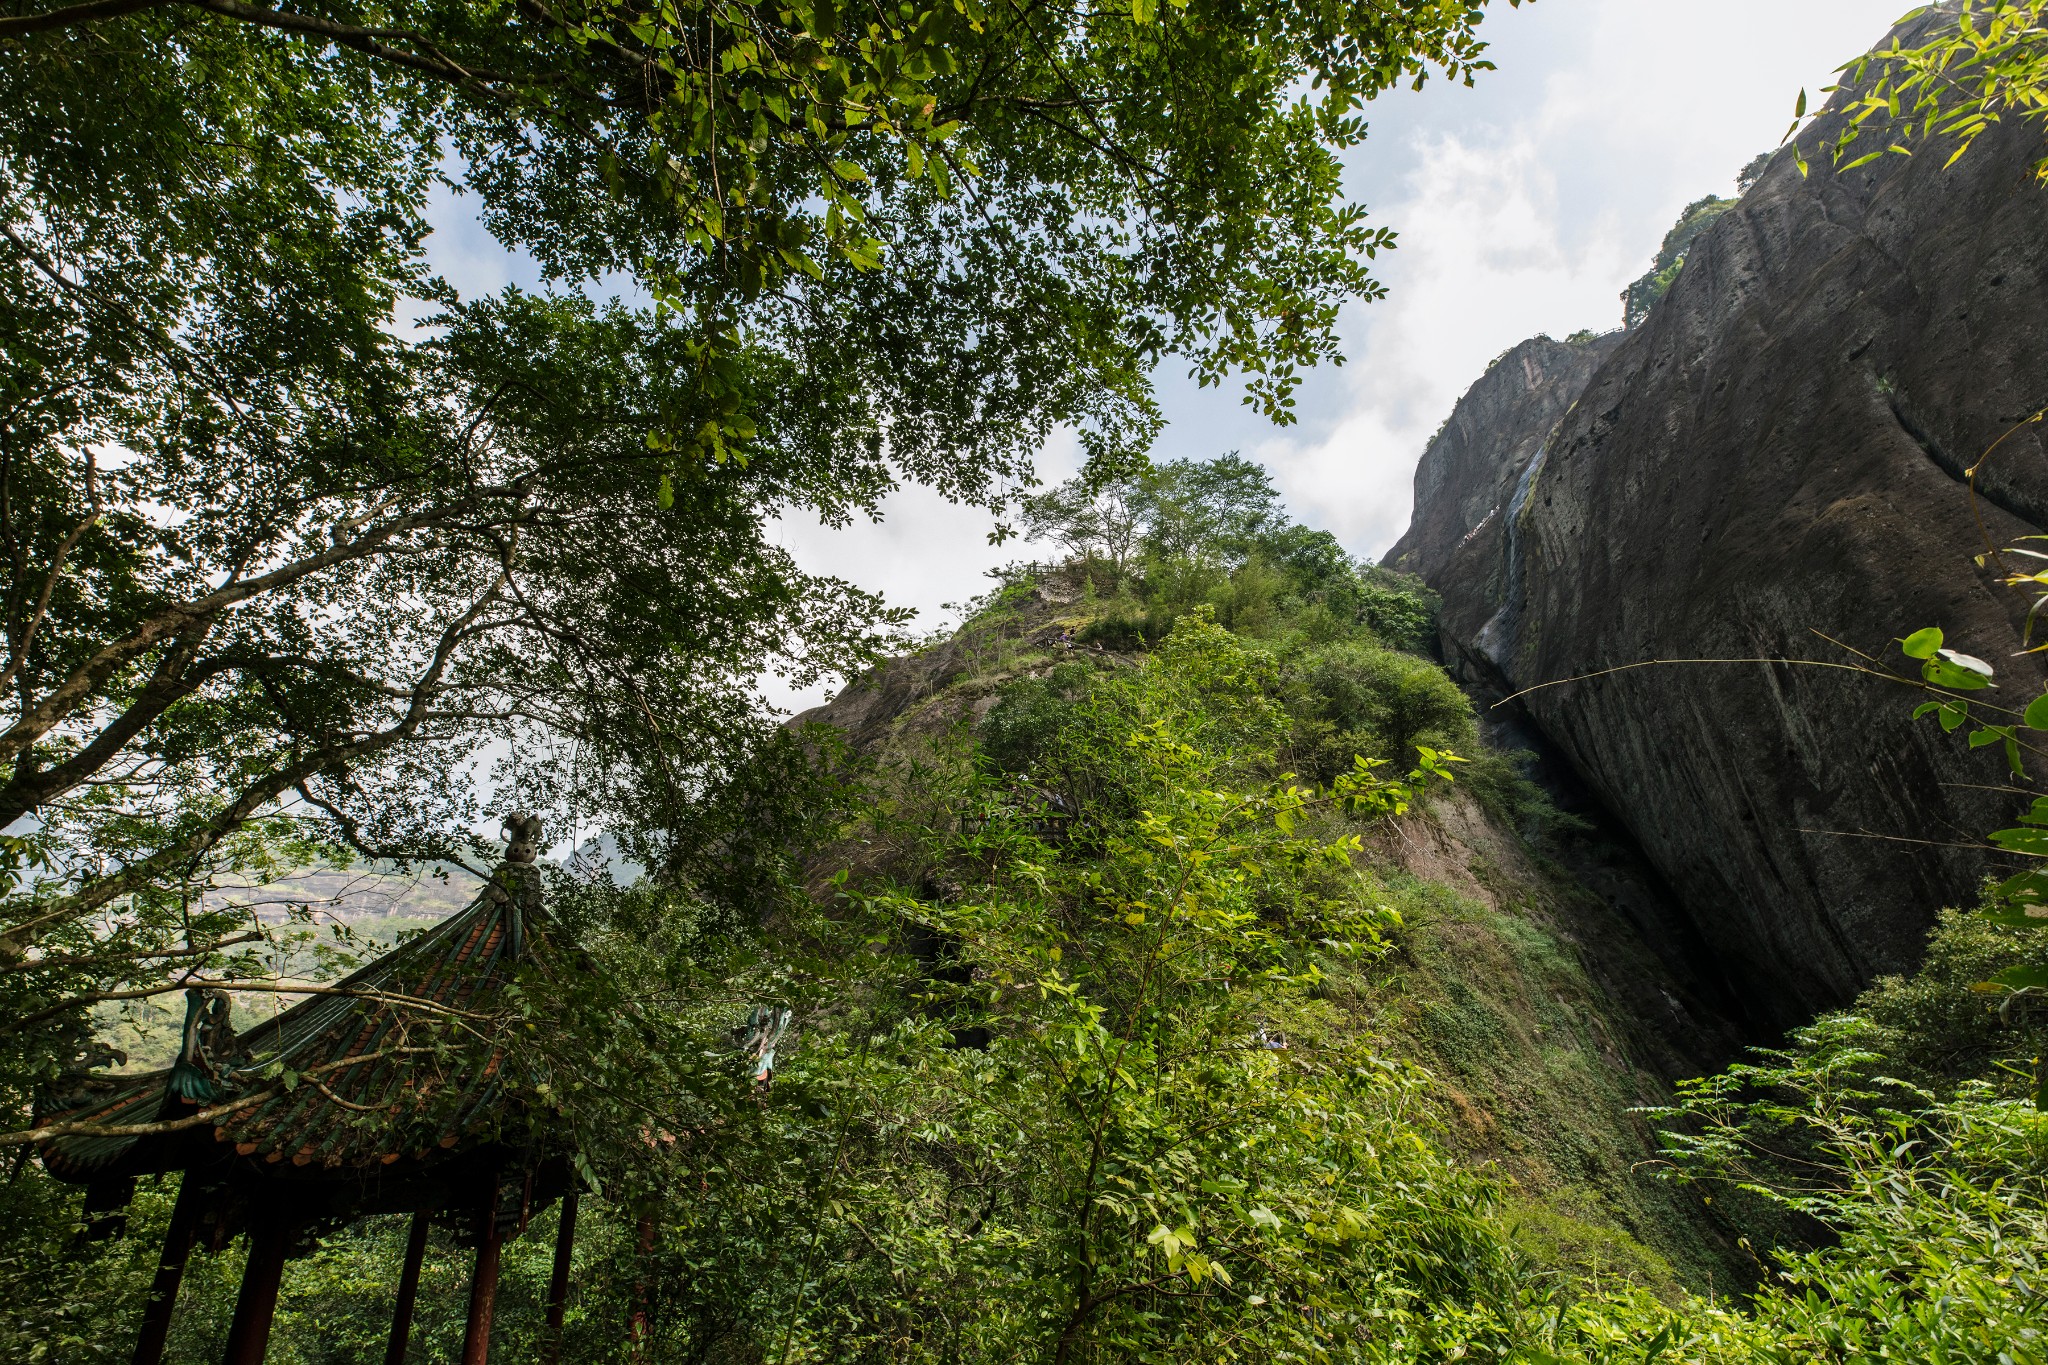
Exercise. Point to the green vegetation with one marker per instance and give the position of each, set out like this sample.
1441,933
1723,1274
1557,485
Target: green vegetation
303,551
1640,297
1155,545
1989,65
1123,1035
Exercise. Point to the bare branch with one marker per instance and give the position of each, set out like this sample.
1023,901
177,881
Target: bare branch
55,963
173,681
37,720
272,986
86,1128
262,791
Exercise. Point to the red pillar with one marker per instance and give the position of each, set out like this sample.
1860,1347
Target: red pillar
483,1289
170,1273
249,1338
558,1283
408,1290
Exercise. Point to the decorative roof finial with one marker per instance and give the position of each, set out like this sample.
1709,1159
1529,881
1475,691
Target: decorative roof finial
522,838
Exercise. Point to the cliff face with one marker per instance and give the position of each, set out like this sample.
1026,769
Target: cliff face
1776,453
1466,478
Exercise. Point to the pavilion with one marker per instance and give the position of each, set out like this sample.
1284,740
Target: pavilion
376,1095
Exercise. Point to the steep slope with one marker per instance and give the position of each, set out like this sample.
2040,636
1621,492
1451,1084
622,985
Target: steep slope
1777,452
1543,1016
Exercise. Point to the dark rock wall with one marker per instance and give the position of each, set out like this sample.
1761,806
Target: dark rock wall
1777,453
1468,473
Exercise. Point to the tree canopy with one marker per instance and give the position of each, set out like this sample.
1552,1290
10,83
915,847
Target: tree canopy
301,542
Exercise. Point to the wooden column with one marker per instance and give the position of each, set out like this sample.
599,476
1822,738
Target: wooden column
170,1273
558,1283
249,1338
408,1289
483,1289
639,1323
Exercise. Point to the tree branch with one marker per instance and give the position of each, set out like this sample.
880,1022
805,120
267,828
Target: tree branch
39,719
87,1128
15,940
21,26
369,42
54,963
171,683
274,986
19,650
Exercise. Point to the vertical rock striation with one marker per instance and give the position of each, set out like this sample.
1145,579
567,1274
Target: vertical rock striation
1776,454
1468,474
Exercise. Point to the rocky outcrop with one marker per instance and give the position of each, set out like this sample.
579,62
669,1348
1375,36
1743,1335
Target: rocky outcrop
1466,478
1776,455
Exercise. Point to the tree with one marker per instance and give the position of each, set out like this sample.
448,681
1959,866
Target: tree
1086,520
1957,79
1640,297
1221,508
1218,509
296,537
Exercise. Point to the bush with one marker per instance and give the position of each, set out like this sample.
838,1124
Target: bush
1028,714
1937,1031
1398,609
1357,698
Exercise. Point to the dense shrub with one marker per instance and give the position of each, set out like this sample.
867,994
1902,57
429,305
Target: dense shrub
1354,697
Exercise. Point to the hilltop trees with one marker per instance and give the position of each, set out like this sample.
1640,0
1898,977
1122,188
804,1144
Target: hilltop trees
1215,531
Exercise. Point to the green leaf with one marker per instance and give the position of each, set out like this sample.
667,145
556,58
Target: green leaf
2026,887
1968,661
2036,717
1922,644
1953,676
2032,842
2029,916
665,493
2022,979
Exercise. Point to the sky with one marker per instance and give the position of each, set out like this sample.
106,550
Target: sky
1524,204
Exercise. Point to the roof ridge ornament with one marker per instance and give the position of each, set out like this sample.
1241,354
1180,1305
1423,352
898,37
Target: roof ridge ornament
522,838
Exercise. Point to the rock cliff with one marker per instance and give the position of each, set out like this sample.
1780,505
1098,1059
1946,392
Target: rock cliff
1776,454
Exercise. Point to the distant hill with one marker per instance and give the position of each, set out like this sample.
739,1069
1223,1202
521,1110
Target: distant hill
354,895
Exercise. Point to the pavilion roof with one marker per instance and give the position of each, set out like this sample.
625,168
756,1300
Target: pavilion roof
423,1084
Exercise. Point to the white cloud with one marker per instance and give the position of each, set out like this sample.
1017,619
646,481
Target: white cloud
1486,266
1526,204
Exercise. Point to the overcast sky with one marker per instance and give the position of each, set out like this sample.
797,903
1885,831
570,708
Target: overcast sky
1523,205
